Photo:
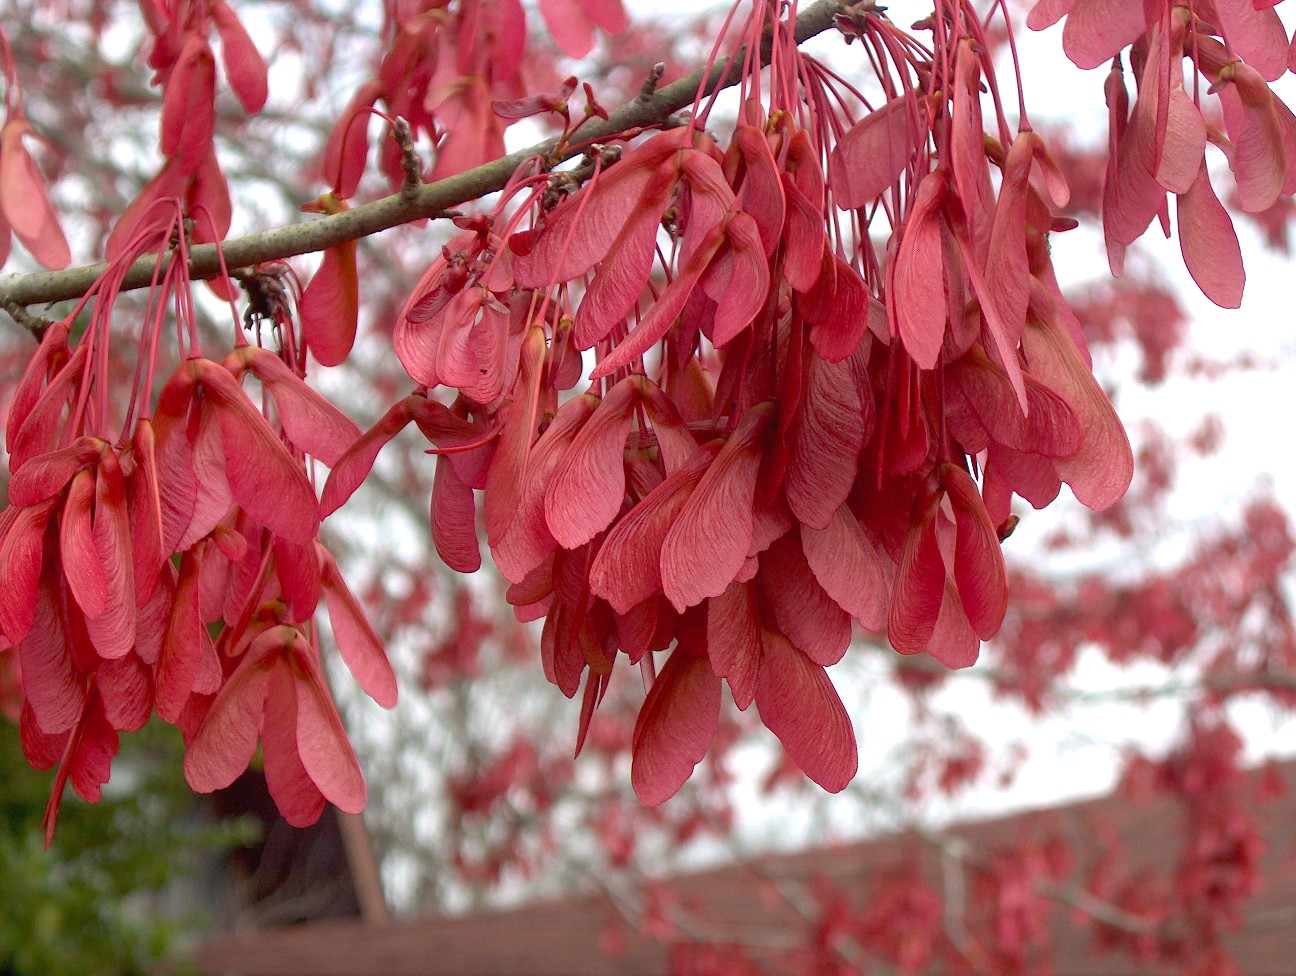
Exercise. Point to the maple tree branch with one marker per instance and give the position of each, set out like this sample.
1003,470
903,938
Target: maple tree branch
431,199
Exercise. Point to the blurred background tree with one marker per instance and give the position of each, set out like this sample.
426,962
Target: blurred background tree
115,892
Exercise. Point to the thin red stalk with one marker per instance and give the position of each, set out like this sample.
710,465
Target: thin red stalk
184,312
204,213
1016,62
750,86
648,671
701,113
471,445
977,30
571,231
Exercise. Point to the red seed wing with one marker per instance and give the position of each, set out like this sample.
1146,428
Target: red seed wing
25,201
953,642
579,235
227,738
586,492
264,479
295,794
527,541
90,763
1131,194
803,610
211,492
871,156
154,617
41,749
330,305
347,148
919,276
170,181
734,640
967,141
322,742
1258,160
244,67
1029,475
676,724
472,346
1097,30
52,687
113,630
46,475
709,200
1046,13
297,570
1257,36
353,466
609,15
805,251
454,519
1209,243
799,704
627,569
979,572
45,363
708,544
360,647
1007,265
761,192
209,200
416,337
22,547
675,442
981,387
80,562
1101,469
126,686
827,437
189,105
569,25
40,423
1183,144
746,273
663,313
518,419
172,465
848,568
839,306
312,423
918,589
181,655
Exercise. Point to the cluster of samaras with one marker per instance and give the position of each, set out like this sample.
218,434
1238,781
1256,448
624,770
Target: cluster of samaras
705,413
775,432
178,570
159,552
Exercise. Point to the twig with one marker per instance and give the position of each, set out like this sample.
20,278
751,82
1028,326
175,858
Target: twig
410,165
652,81
35,324
431,198
1100,910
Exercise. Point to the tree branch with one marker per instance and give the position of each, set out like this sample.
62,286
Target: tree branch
430,200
